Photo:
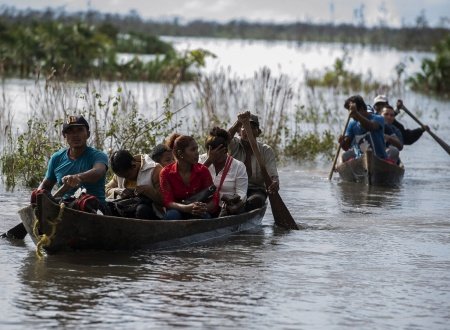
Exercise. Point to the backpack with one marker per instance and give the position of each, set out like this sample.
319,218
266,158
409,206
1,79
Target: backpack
125,207
86,203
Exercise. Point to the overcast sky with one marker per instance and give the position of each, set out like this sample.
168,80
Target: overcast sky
318,11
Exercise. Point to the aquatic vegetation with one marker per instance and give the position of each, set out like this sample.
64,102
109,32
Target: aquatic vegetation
115,123
342,79
435,75
25,157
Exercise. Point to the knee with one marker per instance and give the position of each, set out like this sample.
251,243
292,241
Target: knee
172,214
349,154
393,153
144,211
255,202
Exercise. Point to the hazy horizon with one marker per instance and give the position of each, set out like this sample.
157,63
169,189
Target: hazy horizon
393,13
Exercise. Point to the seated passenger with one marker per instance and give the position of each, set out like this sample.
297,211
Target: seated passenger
364,129
392,135
136,176
184,178
409,136
240,149
161,154
229,174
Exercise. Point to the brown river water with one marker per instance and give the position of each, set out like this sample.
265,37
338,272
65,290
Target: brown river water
369,258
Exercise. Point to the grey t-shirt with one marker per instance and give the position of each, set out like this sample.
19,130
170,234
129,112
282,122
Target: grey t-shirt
256,180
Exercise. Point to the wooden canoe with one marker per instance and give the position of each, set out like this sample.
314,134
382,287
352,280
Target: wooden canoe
371,170
77,230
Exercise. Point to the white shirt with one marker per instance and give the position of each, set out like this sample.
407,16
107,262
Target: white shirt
236,181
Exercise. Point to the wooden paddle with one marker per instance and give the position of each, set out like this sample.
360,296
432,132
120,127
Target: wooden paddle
441,142
281,214
19,231
338,149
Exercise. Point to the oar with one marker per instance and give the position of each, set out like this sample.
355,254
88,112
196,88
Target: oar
281,214
441,142
19,231
338,150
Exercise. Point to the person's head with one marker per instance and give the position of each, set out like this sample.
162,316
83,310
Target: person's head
358,100
162,154
254,123
184,148
388,114
217,136
76,131
124,165
379,102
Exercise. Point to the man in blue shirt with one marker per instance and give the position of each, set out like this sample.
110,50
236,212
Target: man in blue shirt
78,165
364,126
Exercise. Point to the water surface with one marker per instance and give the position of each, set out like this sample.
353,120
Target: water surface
370,258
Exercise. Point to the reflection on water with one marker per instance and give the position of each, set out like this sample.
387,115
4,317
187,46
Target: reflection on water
76,284
357,196
371,258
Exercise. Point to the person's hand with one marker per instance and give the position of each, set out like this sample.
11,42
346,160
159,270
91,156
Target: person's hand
214,154
142,190
425,128
126,193
198,208
72,181
340,139
399,105
274,187
352,109
244,116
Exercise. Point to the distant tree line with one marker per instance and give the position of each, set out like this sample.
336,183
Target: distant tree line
418,37
33,43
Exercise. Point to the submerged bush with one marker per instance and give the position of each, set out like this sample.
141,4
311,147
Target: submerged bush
435,75
340,78
25,157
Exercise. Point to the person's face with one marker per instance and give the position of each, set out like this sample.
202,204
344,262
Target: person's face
131,173
379,107
166,158
190,154
389,115
76,136
255,131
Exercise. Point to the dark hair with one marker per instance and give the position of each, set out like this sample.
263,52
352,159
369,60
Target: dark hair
358,100
121,161
387,106
178,143
158,151
217,136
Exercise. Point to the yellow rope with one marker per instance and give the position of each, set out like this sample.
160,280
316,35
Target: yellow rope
45,240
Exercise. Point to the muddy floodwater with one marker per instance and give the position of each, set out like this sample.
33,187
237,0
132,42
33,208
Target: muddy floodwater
369,258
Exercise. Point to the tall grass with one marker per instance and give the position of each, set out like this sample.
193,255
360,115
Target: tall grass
300,122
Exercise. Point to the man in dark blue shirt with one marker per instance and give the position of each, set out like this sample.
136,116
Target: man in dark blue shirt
364,126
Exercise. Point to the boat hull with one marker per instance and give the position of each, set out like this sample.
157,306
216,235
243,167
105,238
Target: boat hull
78,230
371,170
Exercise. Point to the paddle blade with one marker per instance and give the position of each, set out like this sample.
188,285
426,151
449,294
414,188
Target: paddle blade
18,232
281,214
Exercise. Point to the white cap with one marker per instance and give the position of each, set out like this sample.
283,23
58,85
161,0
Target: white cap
380,99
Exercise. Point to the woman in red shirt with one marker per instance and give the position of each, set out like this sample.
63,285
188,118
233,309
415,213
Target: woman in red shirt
184,178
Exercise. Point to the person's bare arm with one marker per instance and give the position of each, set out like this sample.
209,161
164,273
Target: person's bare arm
47,184
93,175
394,140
